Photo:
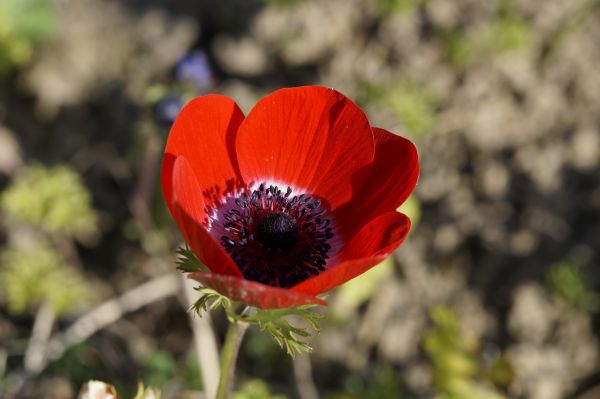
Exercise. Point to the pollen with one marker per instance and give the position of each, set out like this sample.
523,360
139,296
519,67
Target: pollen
277,238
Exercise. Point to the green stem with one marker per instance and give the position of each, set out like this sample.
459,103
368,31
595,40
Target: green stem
229,354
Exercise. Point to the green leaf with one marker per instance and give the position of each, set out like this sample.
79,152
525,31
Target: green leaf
285,334
211,300
272,321
187,261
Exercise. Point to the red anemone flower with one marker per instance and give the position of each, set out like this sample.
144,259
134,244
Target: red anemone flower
290,201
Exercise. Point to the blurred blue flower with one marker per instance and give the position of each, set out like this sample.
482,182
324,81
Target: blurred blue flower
194,68
168,108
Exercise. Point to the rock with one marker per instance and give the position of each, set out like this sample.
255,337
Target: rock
532,316
243,57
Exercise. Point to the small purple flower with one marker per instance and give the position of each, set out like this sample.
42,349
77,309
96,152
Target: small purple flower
194,68
168,108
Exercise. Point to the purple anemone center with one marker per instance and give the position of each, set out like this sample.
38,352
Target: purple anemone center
277,238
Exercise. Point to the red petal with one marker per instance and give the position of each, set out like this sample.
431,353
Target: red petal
375,242
253,293
310,137
204,133
390,180
187,208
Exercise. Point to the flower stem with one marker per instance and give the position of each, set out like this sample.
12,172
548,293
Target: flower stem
229,354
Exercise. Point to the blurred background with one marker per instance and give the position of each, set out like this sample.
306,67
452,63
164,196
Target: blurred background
495,292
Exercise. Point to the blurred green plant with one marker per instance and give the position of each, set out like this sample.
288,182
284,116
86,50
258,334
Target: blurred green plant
384,384
500,371
359,290
79,364
31,277
566,282
459,49
457,372
414,104
147,392
284,3
266,356
159,368
506,32
256,389
398,6
54,199
23,23
192,373
411,208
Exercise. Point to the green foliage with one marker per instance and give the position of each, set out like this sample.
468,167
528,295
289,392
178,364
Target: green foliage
384,384
266,356
456,369
270,320
414,104
192,373
283,3
390,6
23,23
506,32
146,392
79,364
52,198
211,300
285,334
460,51
256,389
32,277
188,262
360,289
500,371
159,368
566,283
398,6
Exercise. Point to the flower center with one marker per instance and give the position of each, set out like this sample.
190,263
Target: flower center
277,231
276,238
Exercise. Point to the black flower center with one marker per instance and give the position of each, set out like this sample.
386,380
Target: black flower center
276,238
277,231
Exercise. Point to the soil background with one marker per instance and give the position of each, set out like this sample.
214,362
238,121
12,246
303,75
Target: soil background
502,99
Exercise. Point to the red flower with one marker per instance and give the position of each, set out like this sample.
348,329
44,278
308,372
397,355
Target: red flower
291,201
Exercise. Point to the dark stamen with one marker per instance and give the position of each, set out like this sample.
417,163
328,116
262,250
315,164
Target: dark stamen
276,238
277,230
